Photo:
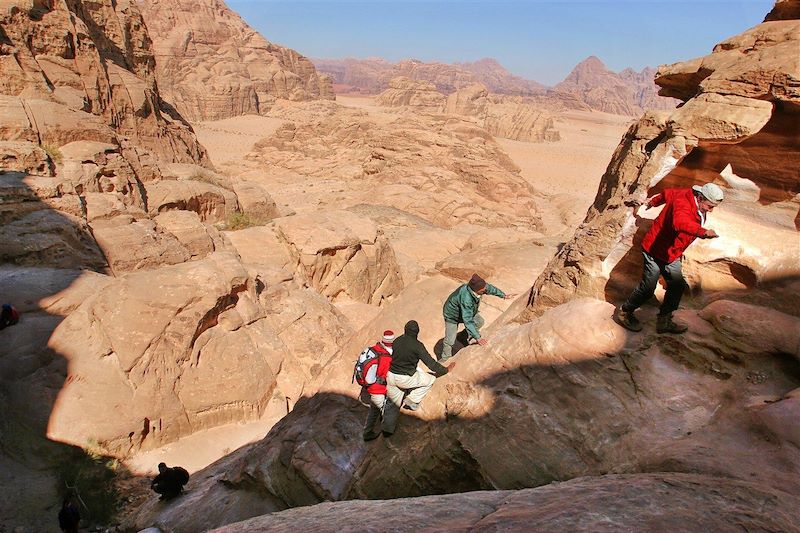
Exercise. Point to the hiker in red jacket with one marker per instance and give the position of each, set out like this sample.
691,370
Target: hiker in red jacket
377,391
677,226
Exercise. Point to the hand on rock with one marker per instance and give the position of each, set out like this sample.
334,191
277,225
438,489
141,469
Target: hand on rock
710,234
510,296
483,341
451,366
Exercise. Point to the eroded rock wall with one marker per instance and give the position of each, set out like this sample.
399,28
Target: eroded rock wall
212,65
85,71
738,127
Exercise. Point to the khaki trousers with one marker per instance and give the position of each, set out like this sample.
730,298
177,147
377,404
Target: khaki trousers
419,384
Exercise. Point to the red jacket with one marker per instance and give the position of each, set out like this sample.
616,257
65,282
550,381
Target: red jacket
384,362
677,226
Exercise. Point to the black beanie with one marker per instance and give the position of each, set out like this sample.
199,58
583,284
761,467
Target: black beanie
412,328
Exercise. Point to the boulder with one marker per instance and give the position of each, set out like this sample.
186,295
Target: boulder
23,156
210,202
182,348
340,255
418,95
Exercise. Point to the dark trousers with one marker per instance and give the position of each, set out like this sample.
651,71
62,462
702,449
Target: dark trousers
390,414
652,269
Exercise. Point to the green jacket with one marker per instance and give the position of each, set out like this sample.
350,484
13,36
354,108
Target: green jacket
462,306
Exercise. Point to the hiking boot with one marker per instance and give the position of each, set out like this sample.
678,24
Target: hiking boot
627,320
387,434
664,324
411,406
371,435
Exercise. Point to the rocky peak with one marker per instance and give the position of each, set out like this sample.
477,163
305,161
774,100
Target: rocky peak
627,93
592,65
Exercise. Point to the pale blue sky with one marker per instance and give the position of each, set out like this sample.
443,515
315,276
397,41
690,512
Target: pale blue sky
536,39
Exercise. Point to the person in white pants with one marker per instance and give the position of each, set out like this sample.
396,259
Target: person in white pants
407,385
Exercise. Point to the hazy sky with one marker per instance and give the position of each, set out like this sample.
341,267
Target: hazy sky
535,39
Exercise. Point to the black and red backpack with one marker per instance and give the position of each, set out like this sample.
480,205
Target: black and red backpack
365,372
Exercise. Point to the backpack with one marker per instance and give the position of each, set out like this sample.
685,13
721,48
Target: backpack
182,475
365,372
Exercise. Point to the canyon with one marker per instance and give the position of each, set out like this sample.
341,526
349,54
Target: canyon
201,237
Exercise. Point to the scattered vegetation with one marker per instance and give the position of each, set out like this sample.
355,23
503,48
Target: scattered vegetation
53,153
237,221
91,477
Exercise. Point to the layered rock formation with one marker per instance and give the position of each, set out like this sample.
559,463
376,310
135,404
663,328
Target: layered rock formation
497,79
740,118
628,93
504,116
339,253
589,86
211,65
77,72
418,95
141,321
374,75
443,169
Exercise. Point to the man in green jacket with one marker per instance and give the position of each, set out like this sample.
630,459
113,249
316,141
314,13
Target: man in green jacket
461,307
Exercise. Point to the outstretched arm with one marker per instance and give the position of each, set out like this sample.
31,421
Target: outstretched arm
430,362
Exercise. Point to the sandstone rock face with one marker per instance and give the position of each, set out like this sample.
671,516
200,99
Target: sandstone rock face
739,128
341,254
627,93
570,394
212,65
86,72
504,116
193,346
418,95
107,248
33,233
373,76
611,503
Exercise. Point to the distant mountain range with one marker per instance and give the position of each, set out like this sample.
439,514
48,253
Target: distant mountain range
590,85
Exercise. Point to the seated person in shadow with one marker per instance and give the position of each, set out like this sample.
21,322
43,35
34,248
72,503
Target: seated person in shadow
170,481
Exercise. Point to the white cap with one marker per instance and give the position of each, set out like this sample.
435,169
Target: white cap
710,192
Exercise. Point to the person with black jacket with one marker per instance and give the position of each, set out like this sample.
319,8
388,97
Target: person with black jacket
404,376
